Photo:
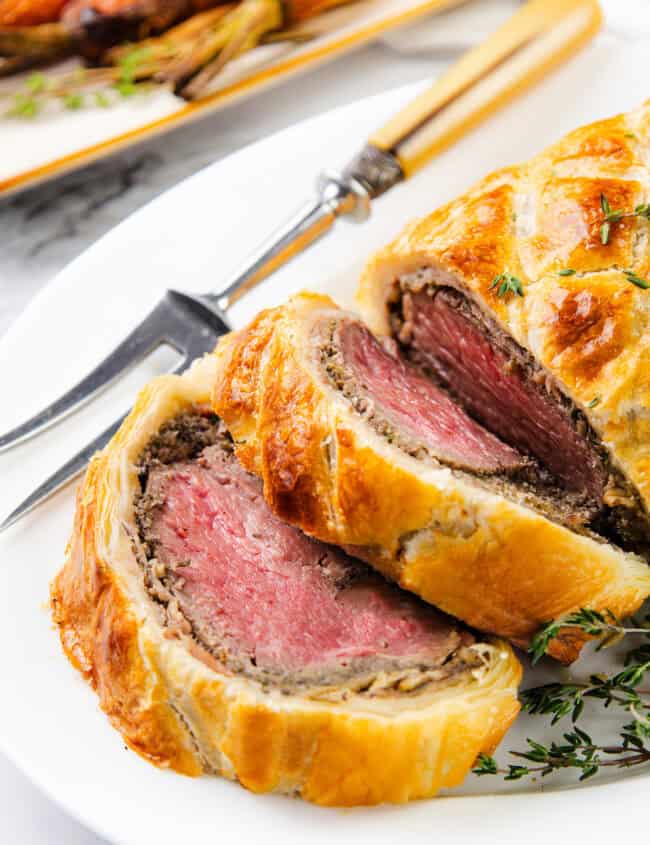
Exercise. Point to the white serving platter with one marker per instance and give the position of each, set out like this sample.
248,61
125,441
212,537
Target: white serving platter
50,724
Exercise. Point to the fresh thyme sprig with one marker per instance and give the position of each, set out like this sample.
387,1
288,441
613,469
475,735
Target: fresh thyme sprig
610,216
507,283
559,700
577,750
83,87
604,625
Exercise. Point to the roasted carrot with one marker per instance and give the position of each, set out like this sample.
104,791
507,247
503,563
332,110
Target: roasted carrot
29,12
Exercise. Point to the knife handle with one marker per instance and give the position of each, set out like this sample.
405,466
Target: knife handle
534,40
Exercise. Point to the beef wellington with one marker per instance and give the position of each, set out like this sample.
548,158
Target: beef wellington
528,300
220,639
419,454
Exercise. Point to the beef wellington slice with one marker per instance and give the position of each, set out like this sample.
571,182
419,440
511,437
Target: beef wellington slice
528,299
416,455
220,639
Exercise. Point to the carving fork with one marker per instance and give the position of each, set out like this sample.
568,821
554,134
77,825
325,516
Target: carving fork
533,41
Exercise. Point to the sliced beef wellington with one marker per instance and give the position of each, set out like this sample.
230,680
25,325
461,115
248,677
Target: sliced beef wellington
222,640
527,299
360,446
261,597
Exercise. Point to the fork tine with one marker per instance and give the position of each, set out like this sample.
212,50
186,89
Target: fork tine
62,476
74,467
143,339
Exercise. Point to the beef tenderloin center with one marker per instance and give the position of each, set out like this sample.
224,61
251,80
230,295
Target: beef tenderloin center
495,383
457,391
262,598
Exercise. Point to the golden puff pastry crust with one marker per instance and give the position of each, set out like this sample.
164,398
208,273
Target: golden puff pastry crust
590,329
494,563
174,706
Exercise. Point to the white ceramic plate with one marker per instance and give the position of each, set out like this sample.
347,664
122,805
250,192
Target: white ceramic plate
50,724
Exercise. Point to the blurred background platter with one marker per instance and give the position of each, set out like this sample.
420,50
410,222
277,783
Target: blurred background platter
50,144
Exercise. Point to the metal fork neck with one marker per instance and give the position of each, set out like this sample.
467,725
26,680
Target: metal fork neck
337,195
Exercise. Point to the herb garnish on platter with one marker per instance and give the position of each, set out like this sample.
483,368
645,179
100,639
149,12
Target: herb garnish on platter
621,690
82,87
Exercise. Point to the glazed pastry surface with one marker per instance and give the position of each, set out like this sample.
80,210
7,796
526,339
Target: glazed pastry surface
179,708
582,318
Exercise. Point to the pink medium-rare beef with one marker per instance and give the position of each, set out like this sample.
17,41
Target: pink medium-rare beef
453,389
418,407
498,391
259,593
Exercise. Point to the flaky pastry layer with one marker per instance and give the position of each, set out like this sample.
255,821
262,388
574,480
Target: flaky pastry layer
173,704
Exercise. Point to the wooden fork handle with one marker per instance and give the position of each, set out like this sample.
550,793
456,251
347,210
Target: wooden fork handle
533,41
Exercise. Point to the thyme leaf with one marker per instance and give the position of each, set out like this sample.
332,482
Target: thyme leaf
23,105
637,280
604,232
36,83
507,284
485,765
615,216
81,87
73,101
